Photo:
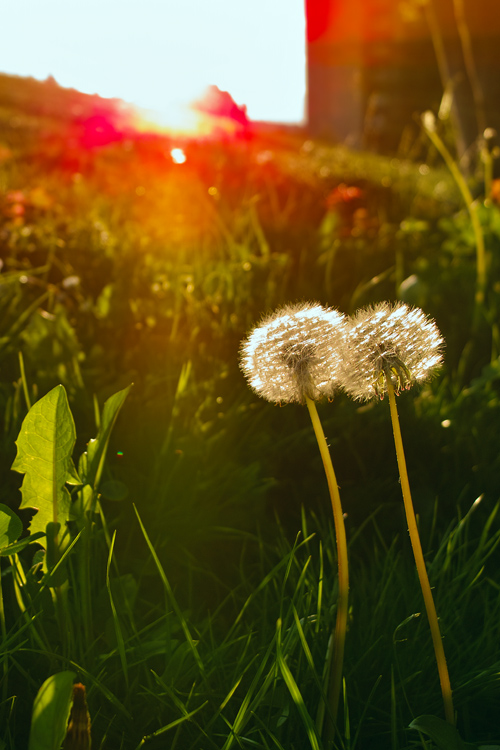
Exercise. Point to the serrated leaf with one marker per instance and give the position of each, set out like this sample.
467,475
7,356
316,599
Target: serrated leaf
11,526
44,448
51,711
445,736
97,447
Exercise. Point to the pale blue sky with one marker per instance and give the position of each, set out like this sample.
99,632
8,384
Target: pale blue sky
155,52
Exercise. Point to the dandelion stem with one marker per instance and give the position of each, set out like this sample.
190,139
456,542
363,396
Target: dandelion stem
343,595
420,562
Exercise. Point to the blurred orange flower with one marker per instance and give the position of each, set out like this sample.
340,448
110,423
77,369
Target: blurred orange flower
39,198
5,153
495,191
343,194
16,196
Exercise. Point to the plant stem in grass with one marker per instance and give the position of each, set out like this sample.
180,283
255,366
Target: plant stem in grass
473,214
444,677
24,381
3,634
343,596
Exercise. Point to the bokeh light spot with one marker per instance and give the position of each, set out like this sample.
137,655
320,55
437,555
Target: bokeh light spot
178,155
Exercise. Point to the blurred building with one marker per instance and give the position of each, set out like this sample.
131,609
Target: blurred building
374,65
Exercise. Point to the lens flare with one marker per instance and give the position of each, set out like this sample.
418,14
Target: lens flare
178,155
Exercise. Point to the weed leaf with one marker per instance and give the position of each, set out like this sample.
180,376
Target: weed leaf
96,449
441,732
11,527
44,449
51,712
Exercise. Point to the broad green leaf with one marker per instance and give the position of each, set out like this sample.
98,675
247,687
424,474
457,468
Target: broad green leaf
97,447
11,527
13,549
51,711
443,734
44,449
84,498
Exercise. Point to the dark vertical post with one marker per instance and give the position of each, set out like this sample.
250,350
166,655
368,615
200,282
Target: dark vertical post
335,103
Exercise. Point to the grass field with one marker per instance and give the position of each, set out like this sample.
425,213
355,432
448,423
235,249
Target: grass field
179,558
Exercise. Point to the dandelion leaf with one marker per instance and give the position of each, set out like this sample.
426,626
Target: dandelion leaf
44,449
11,527
93,462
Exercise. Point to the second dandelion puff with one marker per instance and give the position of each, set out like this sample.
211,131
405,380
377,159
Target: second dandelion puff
389,343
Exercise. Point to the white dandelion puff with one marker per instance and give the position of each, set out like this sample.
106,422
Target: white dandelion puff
294,353
389,341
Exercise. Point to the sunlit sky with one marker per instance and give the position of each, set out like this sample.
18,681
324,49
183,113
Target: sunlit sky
155,53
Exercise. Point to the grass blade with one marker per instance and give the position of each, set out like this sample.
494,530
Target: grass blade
296,694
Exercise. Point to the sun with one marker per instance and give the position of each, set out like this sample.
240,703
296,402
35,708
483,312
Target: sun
161,52
212,114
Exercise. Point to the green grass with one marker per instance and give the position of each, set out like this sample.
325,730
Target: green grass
252,671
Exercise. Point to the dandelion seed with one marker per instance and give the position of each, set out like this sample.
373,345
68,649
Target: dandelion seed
389,341
293,353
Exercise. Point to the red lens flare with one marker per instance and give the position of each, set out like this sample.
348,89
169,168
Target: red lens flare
98,130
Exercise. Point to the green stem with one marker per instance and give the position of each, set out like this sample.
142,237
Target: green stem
488,170
447,81
3,633
472,209
84,561
343,595
24,381
420,562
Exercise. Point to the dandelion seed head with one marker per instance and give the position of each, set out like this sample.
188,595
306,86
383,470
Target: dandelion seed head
293,353
389,340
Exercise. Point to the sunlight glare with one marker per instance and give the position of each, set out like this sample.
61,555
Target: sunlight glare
179,120
178,155
165,51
